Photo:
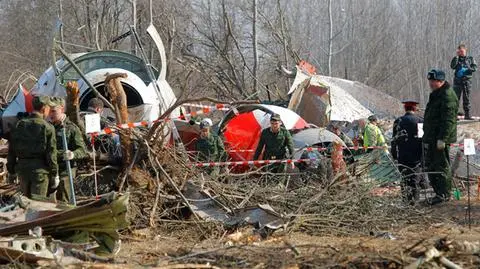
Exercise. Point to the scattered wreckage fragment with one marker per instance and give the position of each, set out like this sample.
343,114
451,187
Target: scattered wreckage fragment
37,237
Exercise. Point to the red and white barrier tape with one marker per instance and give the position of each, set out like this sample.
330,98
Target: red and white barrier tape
221,107
309,149
130,125
244,163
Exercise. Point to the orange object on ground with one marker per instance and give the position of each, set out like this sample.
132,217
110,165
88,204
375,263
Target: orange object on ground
338,164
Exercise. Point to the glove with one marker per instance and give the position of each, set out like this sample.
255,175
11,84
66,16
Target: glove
11,178
55,182
440,145
68,155
461,72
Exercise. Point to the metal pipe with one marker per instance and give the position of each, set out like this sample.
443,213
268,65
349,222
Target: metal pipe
77,69
72,199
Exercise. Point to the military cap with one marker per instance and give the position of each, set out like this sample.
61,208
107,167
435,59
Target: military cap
206,123
436,74
373,118
41,100
58,101
410,102
275,117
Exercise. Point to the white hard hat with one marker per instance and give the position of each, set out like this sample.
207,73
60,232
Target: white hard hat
206,123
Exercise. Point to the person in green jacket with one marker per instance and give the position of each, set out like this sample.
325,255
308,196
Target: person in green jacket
276,140
32,152
440,130
372,136
209,147
76,147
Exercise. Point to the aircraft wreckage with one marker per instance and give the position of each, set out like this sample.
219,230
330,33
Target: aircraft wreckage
148,95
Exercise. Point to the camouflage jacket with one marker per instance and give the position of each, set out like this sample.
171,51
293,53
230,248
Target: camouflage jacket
210,149
33,142
440,119
275,144
75,141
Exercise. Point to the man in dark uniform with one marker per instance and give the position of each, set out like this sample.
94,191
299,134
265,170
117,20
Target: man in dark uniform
440,130
407,149
276,140
76,147
464,67
32,152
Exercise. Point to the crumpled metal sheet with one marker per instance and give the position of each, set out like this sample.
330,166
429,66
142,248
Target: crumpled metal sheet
318,101
208,208
260,217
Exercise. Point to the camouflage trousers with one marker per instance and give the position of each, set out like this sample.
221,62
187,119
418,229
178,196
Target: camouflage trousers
33,182
63,191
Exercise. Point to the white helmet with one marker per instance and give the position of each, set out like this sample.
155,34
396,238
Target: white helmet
205,123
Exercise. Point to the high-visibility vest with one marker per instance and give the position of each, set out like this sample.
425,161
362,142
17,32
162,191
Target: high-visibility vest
372,136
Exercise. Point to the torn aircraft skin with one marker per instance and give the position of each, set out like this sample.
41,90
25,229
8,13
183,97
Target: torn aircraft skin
144,101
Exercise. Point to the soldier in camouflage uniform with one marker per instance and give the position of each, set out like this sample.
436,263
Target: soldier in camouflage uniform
440,130
76,147
32,153
210,147
276,140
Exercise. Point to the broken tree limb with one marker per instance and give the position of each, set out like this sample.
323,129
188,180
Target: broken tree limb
73,104
77,69
119,102
170,180
130,167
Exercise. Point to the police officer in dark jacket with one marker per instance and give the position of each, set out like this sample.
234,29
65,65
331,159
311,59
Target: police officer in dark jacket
407,149
464,67
440,130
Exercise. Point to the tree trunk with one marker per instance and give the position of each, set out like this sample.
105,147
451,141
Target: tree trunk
255,52
330,39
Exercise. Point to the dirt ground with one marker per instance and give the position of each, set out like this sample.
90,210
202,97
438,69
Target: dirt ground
172,246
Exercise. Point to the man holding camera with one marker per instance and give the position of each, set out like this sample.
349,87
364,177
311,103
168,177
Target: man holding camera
464,67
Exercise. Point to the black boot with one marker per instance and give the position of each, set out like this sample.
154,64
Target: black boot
438,199
468,116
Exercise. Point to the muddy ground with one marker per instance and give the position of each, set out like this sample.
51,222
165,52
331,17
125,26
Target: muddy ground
182,245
